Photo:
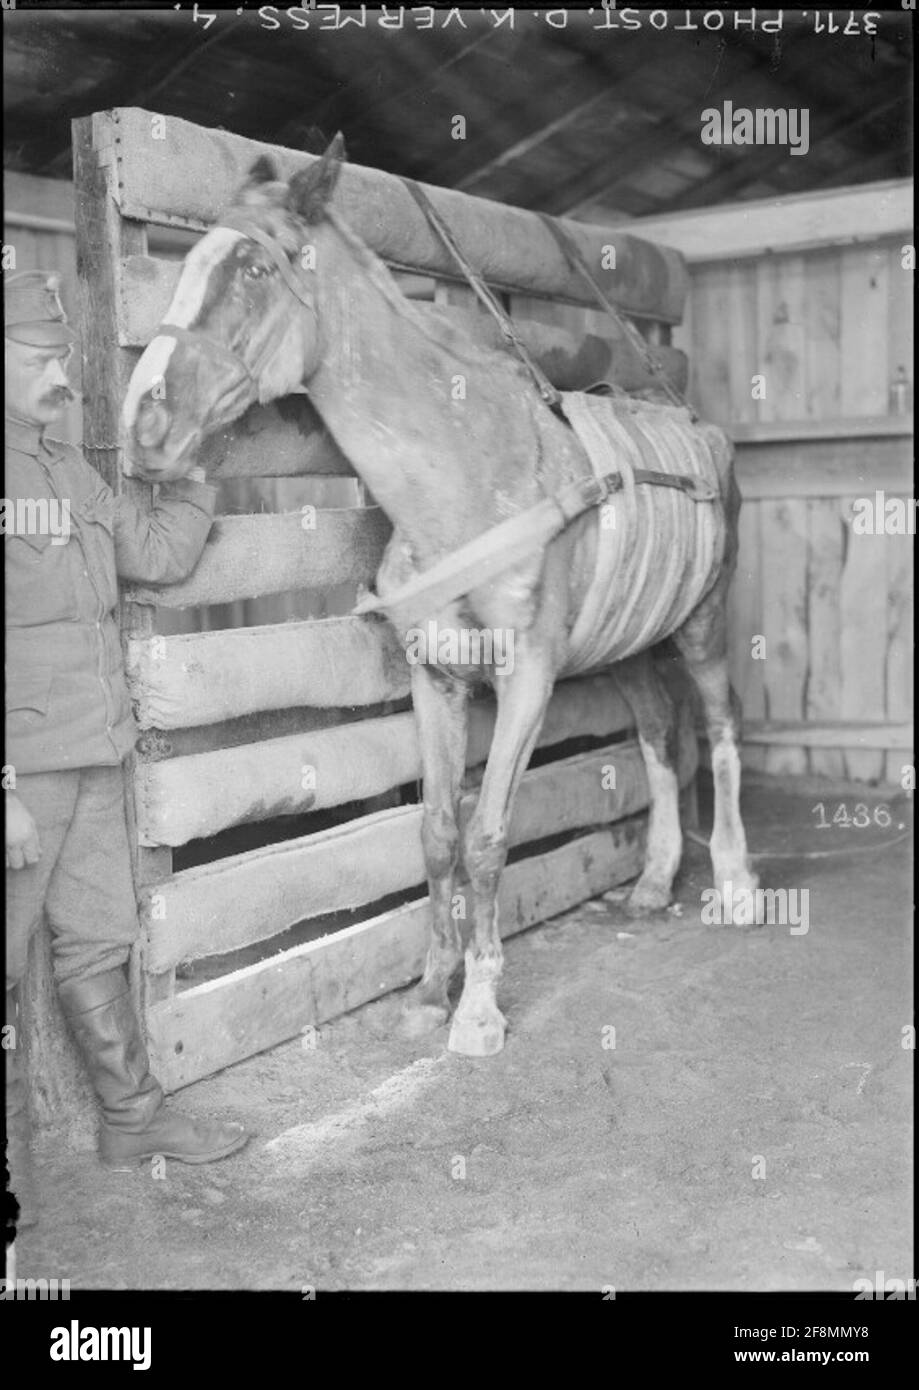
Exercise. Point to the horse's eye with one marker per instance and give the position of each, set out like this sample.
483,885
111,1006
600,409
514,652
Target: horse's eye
257,271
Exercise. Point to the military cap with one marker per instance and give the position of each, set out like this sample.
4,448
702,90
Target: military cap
33,312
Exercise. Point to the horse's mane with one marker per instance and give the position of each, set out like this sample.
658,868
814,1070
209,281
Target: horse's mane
438,328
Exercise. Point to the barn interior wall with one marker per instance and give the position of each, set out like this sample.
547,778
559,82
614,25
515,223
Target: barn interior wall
826,334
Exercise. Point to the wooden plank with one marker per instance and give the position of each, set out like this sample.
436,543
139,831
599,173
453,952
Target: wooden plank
193,174
280,439
900,646
784,568
822,299
236,902
213,1025
864,368
825,543
900,313
155,745
246,556
102,238
186,798
202,678
780,332
863,640
572,361
838,734
824,468
835,217
709,361
741,340
799,430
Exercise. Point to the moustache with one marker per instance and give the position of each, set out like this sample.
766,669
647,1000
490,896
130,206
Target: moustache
62,394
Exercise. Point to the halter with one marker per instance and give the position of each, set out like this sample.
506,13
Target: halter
253,232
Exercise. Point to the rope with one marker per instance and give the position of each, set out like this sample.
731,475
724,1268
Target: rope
547,391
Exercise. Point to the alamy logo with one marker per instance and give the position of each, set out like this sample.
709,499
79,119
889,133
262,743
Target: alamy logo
462,646
764,126
36,516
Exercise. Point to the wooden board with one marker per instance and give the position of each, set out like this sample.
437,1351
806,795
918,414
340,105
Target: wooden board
742,346
251,897
186,798
213,1025
250,555
755,227
825,545
822,295
863,640
864,367
193,174
899,552
784,549
824,468
202,678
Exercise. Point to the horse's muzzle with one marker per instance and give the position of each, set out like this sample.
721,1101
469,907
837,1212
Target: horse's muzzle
152,424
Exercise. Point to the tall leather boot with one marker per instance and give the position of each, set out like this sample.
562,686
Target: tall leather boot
19,1126
136,1124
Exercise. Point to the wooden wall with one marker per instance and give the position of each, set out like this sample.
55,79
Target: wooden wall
815,300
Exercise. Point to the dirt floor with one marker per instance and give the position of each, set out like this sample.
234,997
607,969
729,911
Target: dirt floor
750,1129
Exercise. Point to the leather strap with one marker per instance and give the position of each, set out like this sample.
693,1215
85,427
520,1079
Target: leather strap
238,223
572,253
549,393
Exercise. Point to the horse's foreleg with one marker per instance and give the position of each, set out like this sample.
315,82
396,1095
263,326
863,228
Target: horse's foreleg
440,712
654,713
478,1025
702,644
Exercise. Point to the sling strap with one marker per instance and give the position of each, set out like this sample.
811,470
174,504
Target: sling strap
550,394
575,259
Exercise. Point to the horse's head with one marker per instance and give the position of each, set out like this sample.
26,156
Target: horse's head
242,326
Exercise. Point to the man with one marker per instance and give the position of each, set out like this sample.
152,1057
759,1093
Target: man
69,726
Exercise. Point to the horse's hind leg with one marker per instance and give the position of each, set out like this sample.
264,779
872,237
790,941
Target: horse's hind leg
702,642
655,716
441,715
478,1025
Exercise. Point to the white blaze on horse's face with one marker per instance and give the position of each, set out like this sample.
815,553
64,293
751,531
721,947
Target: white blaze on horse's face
155,448
238,322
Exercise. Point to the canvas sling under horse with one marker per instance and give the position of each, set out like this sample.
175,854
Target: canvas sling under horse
501,547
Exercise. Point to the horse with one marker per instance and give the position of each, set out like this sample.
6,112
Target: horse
282,297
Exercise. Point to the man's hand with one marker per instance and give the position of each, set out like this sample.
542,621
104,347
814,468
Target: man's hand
22,845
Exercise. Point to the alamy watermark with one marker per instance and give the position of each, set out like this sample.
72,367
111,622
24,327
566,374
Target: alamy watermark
36,516
461,646
766,906
762,126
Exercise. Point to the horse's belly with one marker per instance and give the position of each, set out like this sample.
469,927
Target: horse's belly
658,551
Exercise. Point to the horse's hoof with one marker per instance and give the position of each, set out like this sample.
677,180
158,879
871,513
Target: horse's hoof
745,909
418,1020
646,898
477,1037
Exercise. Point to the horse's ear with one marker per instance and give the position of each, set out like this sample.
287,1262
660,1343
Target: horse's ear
254,190
311,189
262,171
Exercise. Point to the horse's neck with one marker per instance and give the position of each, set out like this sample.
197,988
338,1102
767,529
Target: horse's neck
387,390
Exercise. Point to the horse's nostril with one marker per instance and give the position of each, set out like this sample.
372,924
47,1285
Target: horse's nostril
153,420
